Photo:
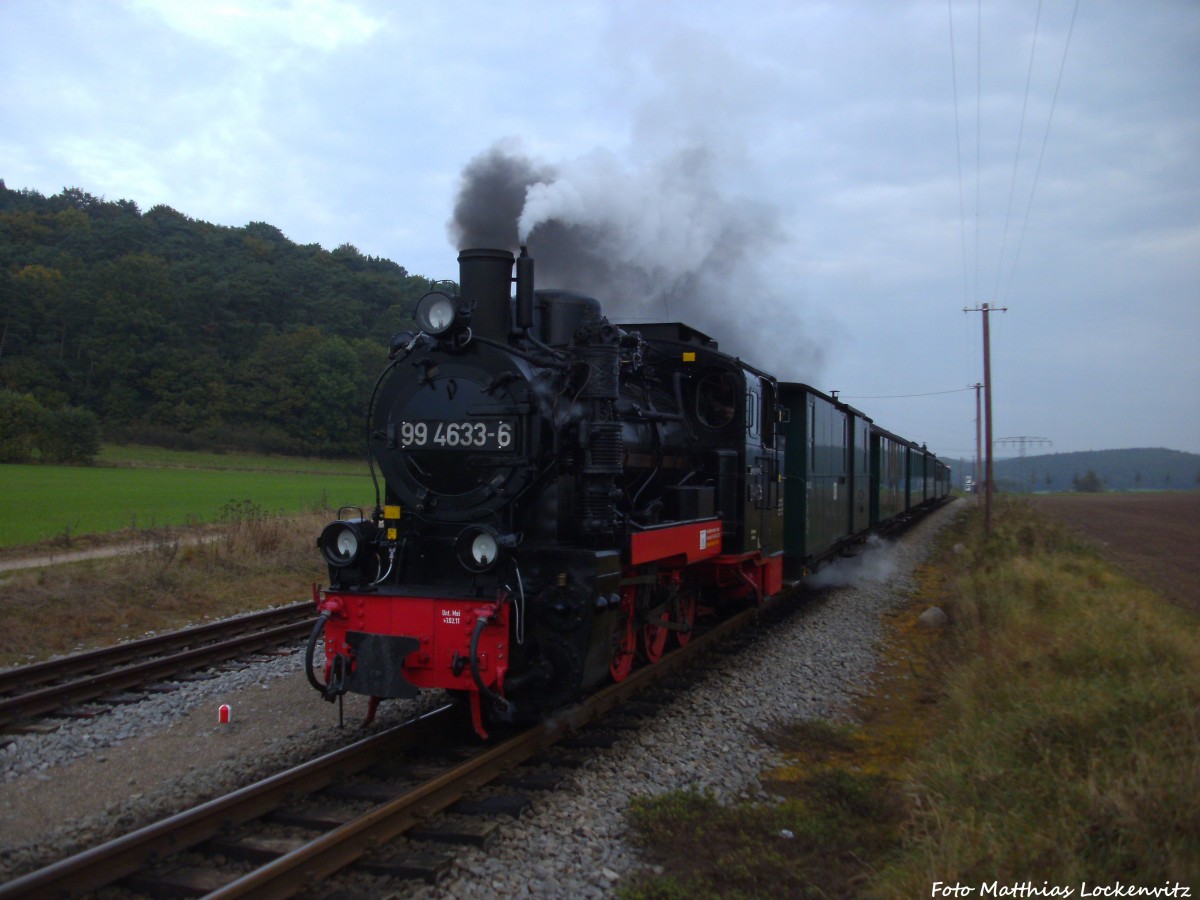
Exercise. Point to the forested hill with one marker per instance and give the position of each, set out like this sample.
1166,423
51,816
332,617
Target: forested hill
180,332
1114,470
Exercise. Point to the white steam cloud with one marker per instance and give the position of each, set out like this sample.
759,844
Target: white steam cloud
876,564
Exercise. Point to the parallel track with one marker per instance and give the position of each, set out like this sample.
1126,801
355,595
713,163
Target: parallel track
295,869
29,691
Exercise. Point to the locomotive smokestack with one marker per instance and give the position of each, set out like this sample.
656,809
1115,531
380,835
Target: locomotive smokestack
485,277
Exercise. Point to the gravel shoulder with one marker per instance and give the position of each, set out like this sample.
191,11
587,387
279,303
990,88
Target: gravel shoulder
148,749
94,779
123,769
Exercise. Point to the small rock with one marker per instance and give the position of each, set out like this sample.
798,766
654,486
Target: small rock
933,617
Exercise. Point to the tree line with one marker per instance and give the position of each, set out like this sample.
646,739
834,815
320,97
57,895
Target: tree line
177,332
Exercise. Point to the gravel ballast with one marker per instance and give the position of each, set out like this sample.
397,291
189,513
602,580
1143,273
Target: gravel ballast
122,769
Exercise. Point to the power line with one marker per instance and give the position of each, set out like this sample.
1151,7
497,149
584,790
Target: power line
1012,186
901,396
1022,440
978,129
1041,155
962,209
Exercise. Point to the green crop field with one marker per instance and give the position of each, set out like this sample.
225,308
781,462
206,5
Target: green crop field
149,488
157,457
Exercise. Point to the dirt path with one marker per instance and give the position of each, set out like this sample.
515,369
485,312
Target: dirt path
37,557
1153,537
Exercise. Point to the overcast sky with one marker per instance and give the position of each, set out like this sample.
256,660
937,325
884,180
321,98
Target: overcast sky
853,174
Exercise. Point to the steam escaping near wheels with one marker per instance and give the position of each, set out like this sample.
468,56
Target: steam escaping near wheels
873,563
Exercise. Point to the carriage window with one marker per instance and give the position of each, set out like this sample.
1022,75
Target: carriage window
715,399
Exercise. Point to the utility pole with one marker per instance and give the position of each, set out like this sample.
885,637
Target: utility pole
978,443
988,484
1021,441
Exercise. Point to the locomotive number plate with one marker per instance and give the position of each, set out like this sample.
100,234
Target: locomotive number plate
480,434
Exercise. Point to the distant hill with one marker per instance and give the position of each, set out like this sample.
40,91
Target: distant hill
1141,469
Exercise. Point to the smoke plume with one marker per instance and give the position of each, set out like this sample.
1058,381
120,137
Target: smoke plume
492,197
657,234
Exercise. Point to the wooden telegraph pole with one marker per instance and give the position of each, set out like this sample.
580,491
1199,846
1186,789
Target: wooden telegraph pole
978,443
988,485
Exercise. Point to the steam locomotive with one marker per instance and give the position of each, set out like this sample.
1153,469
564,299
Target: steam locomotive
564,496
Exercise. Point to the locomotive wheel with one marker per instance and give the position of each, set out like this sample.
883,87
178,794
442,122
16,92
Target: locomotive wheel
687,617
625,648
654,638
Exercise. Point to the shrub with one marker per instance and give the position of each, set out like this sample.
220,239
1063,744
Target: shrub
20,415
68,435
29,430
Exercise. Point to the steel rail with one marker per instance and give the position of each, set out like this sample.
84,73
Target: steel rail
90,686
111,861
339,848
20,677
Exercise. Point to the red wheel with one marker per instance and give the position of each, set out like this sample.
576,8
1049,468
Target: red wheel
654,638
687,618
625,645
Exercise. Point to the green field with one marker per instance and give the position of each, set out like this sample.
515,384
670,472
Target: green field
157,457
143,488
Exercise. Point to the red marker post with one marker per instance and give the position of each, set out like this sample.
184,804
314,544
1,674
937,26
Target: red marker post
223,714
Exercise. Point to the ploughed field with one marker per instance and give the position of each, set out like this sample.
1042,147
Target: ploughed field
1153,537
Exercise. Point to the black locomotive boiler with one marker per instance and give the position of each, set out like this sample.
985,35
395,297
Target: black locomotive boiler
563,496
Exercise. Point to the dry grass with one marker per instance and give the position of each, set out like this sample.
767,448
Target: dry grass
1069,740
1051,734
809,845
171,578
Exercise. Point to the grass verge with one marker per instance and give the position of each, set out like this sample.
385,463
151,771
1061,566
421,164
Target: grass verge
1068,740
138,456
1050,736
250,560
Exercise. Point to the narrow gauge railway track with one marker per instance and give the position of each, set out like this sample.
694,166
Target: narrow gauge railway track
29,691
285,867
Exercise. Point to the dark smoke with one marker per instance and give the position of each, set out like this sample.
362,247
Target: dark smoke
492,197
659,243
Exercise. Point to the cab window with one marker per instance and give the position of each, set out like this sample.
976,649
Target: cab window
716,396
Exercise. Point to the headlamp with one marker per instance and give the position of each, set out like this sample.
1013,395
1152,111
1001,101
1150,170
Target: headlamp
480,546
343,542
438,312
